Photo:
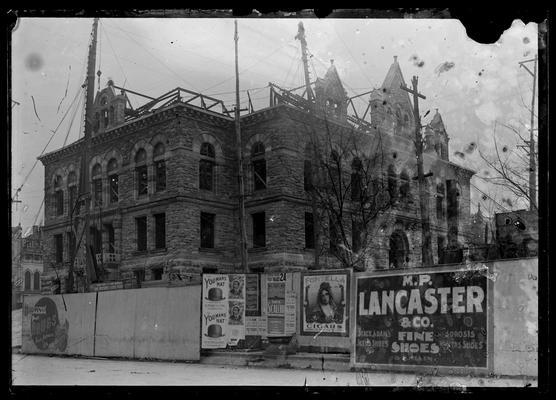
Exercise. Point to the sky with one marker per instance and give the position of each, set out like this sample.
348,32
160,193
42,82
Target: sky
485,86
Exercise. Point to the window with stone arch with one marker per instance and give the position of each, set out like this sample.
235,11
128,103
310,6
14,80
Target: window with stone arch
27,280
398,255
36,280
399,119
141,173
159,167
356,172
258,163
96,123
405,191
72,192
111,114
335,167
96,177
113,181
440,194
308,168
58,195
207,163
392,183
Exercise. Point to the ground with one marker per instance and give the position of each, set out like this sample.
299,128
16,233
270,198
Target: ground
46,370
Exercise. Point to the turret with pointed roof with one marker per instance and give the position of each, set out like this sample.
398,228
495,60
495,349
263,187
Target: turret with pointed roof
391,107
330,95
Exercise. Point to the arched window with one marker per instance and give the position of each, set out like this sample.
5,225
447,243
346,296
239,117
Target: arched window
96,177
334,167
141,172
59,195
96,124
72,191
258,163
356,171
399,120
159,167
440,194
105,119
113,181
399,250
111,114
36,280
392,183
308,169
27,280
206,167
404,185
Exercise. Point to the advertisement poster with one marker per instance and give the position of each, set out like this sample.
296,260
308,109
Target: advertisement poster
215,311
46,323
426,319
276,304
252,295
236,308
325,300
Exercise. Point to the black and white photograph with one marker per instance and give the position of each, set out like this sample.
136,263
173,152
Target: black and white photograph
302,198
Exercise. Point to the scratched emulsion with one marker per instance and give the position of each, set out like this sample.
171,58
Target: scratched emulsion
516,317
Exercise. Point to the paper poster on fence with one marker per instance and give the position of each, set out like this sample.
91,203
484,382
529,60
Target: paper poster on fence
236,308
276,304
215,311
325,300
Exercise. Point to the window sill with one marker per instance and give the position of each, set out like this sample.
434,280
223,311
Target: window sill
161,250
257,249
139,253
210,250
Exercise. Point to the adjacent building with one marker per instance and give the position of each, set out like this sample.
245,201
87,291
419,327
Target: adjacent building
27,263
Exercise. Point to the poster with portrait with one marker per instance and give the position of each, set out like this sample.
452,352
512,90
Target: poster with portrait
325,303
236,308
214,322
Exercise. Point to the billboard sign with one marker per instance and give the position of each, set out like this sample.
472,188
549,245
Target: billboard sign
434,319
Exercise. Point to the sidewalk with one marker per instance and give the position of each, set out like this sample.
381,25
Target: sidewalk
72,371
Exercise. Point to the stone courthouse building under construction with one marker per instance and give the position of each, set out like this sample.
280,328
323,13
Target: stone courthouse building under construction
164,185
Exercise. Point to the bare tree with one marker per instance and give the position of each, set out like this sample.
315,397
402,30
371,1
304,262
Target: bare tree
511,166
347,186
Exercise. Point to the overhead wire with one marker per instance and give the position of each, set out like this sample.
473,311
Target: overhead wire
157,59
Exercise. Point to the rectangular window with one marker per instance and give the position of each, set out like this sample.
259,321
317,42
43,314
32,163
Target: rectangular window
355,236
142,180
96,238
206,168
259,230
97,191
355,186
441,243
160,231
139,276
111,239
207,230
114,196
59,248
141,224
59,196
72,192
307,175
156,274
309,231
70,240
160,176
259,174
333,233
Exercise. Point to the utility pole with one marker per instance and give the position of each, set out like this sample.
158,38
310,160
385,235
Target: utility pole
532,161
84,186
314,164
240,165
423,196
301,37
